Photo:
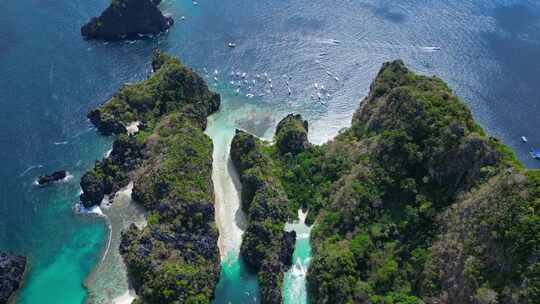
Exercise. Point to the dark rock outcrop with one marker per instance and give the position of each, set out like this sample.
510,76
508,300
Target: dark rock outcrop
56,176
287,248
107,177
127,19
180,91
266,247
292,134
175,258
106,125
422,206
12,268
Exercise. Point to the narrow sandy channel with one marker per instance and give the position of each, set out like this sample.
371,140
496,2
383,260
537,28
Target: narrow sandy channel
226,187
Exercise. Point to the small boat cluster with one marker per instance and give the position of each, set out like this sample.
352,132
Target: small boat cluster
262,84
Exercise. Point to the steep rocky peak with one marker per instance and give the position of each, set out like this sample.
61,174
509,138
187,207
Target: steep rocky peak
292,134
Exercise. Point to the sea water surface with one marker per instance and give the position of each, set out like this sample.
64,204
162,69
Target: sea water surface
487,50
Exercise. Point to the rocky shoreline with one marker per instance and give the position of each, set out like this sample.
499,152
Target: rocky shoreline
266,246
12,269
54,177
413,203
413,184
127,19
169,160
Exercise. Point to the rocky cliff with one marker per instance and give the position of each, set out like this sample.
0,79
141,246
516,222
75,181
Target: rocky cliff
266,247
175,258
412,204
12,269
127,19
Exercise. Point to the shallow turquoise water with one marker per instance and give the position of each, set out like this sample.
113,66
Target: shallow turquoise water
237,284
294,286
43,286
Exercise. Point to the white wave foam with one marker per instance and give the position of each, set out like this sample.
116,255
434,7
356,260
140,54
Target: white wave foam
108,153
302,236
95,210
297,282
126,298
66,179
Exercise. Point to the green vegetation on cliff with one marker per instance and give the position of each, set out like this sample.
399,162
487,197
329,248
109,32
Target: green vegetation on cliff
175,258
413,203
266,247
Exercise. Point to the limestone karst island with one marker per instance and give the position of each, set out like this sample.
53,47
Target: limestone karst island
273,152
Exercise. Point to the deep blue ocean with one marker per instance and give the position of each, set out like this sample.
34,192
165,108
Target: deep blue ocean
487,50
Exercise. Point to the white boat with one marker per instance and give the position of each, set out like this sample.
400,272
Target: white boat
232,44
524,139
430,48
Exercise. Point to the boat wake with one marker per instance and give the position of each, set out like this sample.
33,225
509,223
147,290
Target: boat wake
29,169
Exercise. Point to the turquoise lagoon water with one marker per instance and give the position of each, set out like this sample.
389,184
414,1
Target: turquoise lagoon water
294,287
50,78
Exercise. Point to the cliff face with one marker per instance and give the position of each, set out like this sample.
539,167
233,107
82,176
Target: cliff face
172,88
175,258
412,204
12,268
266,247
426,209
292,135
127,19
